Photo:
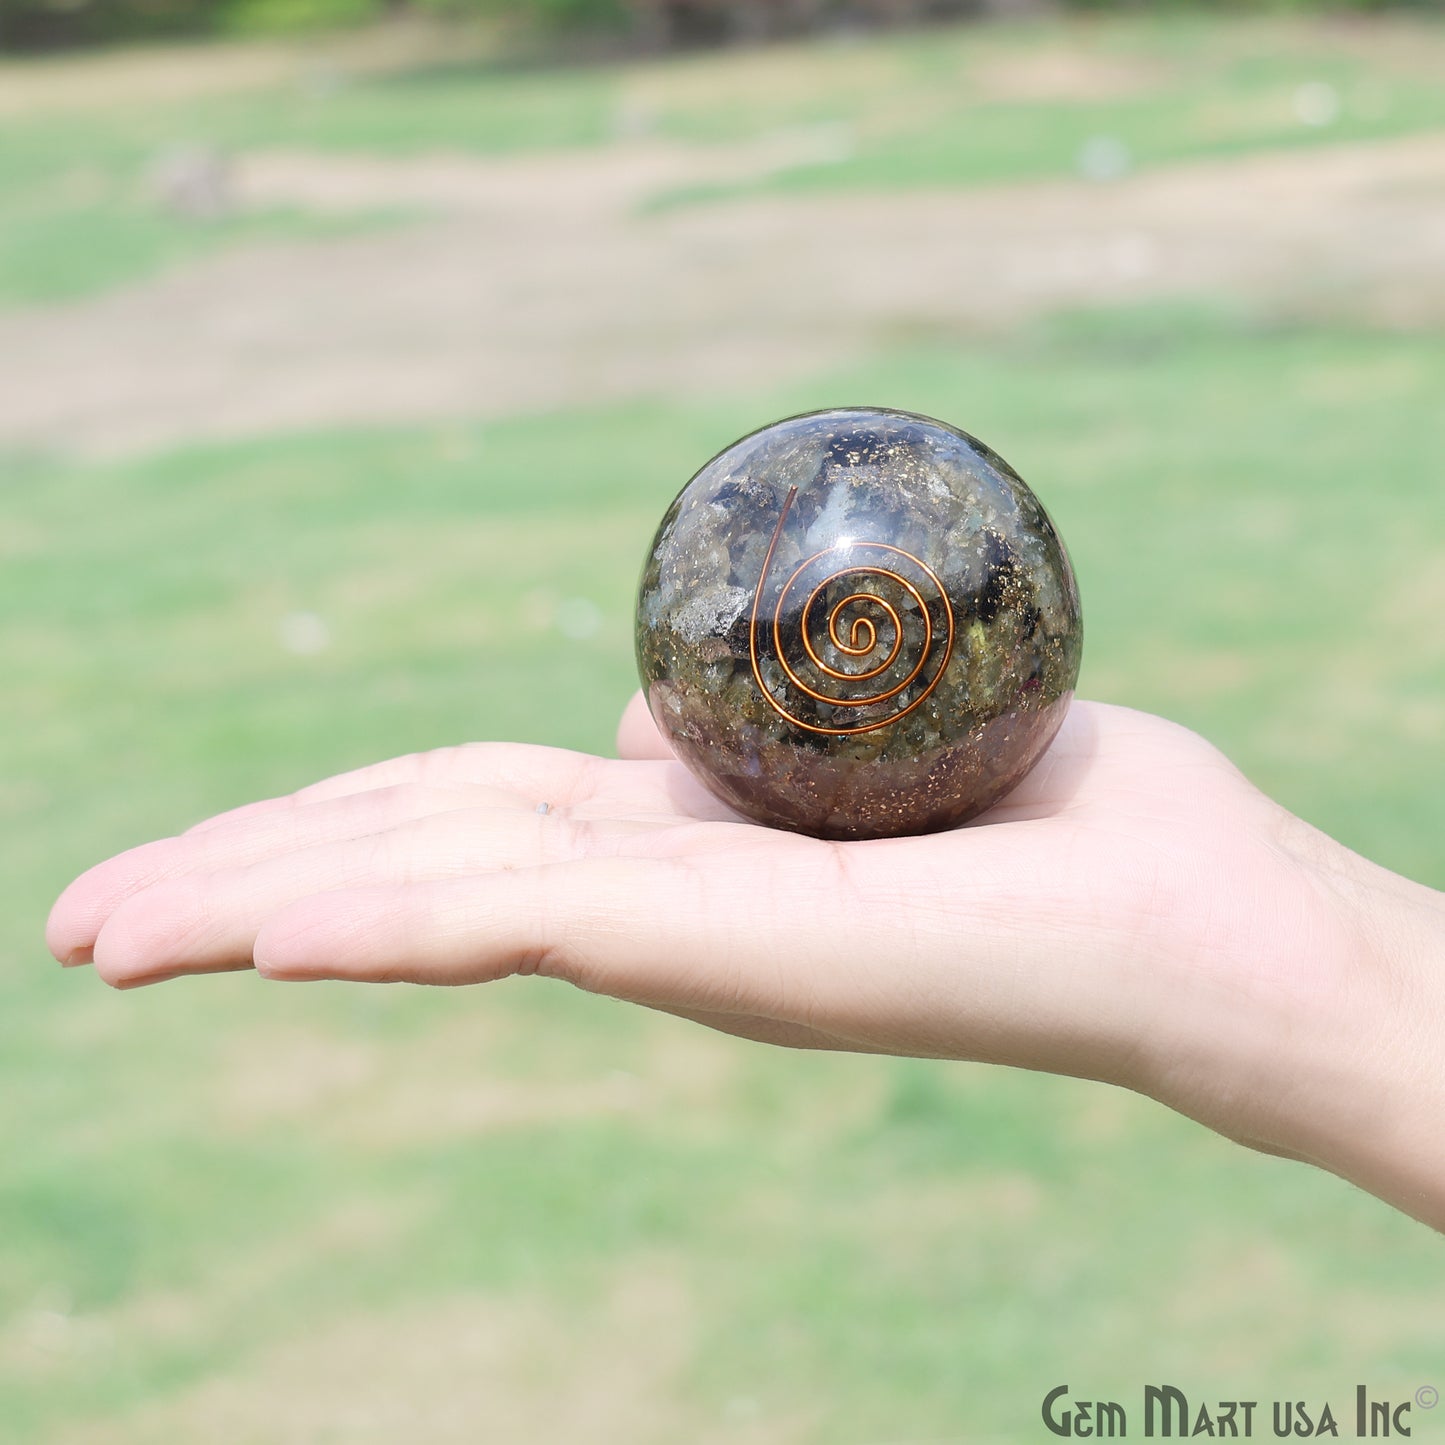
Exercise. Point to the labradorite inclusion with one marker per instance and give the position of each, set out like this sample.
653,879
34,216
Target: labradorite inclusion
857,623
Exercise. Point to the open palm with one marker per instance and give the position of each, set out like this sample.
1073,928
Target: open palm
1135,911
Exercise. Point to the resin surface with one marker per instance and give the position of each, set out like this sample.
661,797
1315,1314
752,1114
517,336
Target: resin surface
858,623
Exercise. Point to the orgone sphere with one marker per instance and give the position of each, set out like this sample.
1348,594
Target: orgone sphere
857,623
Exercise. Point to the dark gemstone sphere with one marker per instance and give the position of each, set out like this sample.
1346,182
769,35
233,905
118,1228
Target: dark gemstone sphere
857,623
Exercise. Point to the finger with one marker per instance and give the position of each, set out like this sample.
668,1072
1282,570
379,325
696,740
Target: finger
560,920
868,943
83,907
585,786
676,922
208,922
638,736
554,775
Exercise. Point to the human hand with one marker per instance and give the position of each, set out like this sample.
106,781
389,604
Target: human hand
1135,911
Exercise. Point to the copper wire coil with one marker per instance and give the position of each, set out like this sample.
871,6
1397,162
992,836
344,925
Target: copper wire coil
927,658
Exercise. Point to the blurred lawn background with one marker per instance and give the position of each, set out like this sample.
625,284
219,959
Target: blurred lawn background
236,1212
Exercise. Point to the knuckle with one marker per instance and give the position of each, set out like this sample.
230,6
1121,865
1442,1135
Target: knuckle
563,961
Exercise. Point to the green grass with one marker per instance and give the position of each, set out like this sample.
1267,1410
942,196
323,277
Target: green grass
930,112
81,208
65,252
884,1249
959,106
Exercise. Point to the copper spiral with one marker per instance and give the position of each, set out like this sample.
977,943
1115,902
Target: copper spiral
908,606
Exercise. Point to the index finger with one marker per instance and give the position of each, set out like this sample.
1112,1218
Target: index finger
541,774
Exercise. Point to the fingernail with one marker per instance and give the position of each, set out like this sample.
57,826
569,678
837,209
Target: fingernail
273,973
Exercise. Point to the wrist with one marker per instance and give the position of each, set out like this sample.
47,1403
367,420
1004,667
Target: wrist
1374,1045
1311,1025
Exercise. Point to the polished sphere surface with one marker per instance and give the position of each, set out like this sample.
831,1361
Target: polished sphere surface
858,623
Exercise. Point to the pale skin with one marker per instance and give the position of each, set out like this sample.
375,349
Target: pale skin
1135,912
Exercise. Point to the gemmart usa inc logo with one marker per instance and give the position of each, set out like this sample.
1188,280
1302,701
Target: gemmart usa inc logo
1166,1412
